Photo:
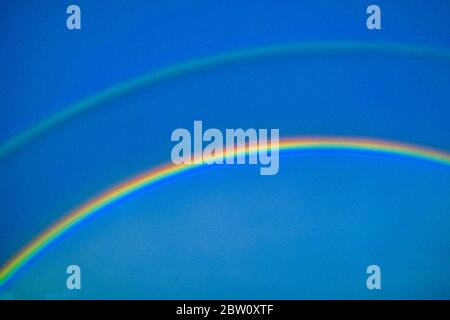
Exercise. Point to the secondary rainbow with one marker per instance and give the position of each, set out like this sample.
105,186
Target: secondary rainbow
164,172
204,63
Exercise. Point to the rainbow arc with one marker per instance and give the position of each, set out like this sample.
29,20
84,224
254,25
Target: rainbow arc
167,171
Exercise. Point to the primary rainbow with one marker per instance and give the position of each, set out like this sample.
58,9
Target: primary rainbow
163,172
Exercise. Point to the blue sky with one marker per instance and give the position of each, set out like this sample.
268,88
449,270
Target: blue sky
308,232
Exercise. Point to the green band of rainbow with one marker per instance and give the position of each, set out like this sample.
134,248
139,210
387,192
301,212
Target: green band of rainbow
166,171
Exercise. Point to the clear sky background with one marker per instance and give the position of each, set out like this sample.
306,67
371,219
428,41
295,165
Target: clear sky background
227,232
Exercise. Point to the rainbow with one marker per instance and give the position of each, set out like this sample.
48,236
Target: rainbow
152,176
203,63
